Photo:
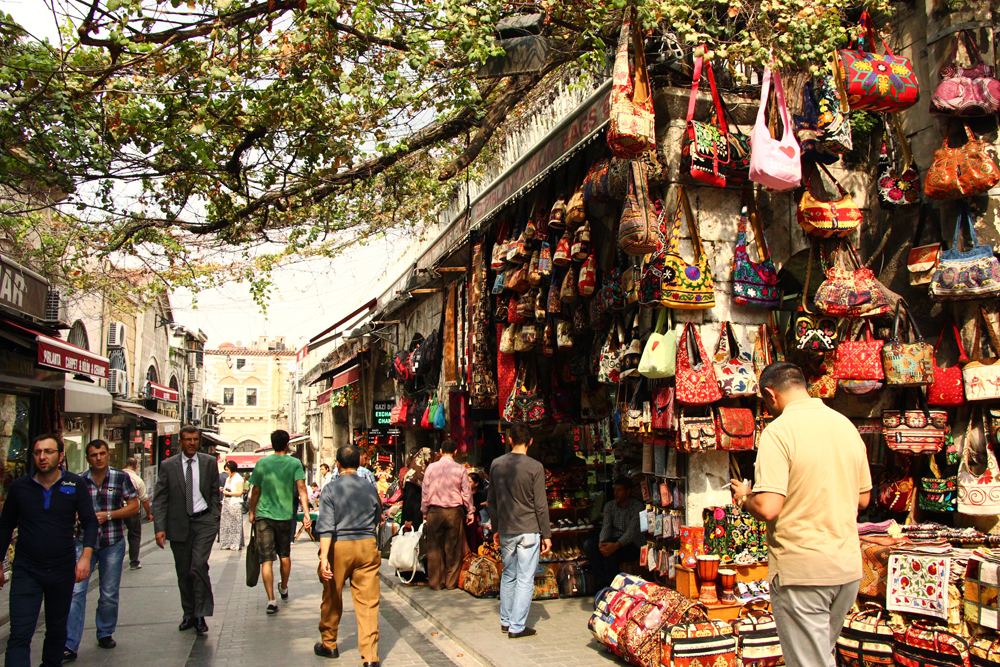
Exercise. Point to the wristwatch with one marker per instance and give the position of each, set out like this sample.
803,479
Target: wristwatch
109,516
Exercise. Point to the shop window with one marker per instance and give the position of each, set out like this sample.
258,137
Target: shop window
251,396
240,363
228,396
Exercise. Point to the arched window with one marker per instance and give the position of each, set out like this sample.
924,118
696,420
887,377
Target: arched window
247,445
173,383
78,335
151,374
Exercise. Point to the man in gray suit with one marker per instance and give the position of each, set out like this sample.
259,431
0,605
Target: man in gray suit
186,509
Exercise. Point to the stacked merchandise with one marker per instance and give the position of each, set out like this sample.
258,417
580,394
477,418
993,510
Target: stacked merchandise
734,536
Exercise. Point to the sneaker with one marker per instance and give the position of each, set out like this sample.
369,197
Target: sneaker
504,628
68,655
272,608
135,566
527,632
283,592
107,642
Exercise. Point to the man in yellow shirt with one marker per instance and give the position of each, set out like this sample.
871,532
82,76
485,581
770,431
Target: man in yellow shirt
812,478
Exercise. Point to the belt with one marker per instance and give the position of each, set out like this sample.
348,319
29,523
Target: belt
439,507
198,514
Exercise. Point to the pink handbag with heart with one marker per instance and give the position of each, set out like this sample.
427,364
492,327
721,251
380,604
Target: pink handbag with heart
774,164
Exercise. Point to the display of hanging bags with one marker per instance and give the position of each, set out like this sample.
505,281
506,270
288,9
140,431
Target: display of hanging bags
686,286
966,91
947,389
981,376
876,82
754,283
965,171
733,368
695,380
907,364
851,291
659,356
966,274
774,163
632,128
828,219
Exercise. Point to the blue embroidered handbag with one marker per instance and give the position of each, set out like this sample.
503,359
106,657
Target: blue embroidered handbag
754,284
966,274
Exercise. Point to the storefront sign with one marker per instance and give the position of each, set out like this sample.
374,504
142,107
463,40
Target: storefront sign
381,414
22,290
162,393
301,355
324,398
69,358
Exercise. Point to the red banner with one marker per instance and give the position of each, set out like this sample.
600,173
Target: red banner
70,358
162,393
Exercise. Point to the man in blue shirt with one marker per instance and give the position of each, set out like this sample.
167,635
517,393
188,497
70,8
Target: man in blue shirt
44,508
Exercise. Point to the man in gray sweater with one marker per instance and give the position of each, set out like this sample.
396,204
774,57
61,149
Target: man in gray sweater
349,515
520,515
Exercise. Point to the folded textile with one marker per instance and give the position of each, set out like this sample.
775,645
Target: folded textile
918,582
881,528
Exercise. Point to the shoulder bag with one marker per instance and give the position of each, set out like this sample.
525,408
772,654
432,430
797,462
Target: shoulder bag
978,495
895,489
828,218
405,553
637,233
754,283
735,428
923,259
966,91
897,186
907,364
876,82
947,390
834,122
774,163
650,288
866,638
733,369
686,286
968,274
696,381
814,332
981,376
859,359
632,129
965,171
807,129
923,645
851,291
919,431
659,356
757,635
609,367
695,434
705,153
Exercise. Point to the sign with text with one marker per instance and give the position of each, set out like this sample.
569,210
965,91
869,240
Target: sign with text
22,290
381,414
70,358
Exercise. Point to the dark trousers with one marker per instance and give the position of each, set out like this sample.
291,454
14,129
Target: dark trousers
445,533
28,587
133,526
606,568
191,564
411,504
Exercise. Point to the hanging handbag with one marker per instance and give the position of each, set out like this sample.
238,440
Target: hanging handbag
919,431
876,82
966,91
686,286
757,640
557,215
696,381
774,163
580,249
807,129
588,277
637,232
576,209
754,284
851,292
895,490
923,259
834,123
735,428
897,186
611,294
920,644
965,171
938,494
650,287
733,368
568,293
827,219
705,152
525,404
632,128
609,369
508,338
563,248
527,338
968,274
596,187
534,275
427,420
907,364
813,332
978,494
947,389
822,383
663,408
553,304
860,359
981,376
695,434
631,352
659,356
866,638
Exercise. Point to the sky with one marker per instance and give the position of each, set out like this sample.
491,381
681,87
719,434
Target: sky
307,297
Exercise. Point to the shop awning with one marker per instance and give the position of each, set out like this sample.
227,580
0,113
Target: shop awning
59,354
162,393
336,370
324,398
164,425
221,444
86,398
344,378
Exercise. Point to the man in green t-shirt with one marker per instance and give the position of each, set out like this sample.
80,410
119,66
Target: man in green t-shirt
275,480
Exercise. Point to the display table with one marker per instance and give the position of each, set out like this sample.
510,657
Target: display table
687,585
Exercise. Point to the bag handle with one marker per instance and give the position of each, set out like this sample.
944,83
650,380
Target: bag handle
964,215
901,307
751,214
868,31
994,339
749,607
661,321
699,64
809,272
920,225
962,358
838,83
779,94
685,203
843,192
640,89
971,48
903,145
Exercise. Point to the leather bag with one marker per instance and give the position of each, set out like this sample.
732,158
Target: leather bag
686,286
733,368
923,259
774,163
632,128
897,186
876,82
961,172
695,379
696,433
981,376
851,290
907,363
947,390
755,284
966,274
860,359
638,231
966,91
659,356
828,219
735,428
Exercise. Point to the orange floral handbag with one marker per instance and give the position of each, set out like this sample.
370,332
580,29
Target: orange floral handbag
695,380
859,359
828,218
632,130
961,172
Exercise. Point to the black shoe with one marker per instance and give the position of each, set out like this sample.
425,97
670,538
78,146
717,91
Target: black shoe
283,593
272,608
68,655
201,627
134,566
107,642
187,624
527,632
370,664
325,652
504,628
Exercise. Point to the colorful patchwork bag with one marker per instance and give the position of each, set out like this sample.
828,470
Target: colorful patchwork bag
920,431
696,434
966,91
828,219
735,429
897,186
965,171
705,153
907,364
983,651
757,642
692,644
733,368
754,284
695,379
686,286
969,274
982,589
923,645
947,389
876,82
822,383
813,332
632,129
981,376
638,232
860,359
851,290
866,639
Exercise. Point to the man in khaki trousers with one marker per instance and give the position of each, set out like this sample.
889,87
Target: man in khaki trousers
349,515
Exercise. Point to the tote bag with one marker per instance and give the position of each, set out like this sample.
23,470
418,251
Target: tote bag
696,381
907,363
978,495
966,274
659,357
733,368
860,359
686,286
774,163
981,376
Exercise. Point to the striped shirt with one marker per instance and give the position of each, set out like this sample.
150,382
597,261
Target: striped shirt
621,524
111,495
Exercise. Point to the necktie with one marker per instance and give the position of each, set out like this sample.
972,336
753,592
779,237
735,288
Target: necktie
189,487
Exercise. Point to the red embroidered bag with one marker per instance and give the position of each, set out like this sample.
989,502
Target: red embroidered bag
876,82
859,359
921,644
632,128
696,381
735,428
947,389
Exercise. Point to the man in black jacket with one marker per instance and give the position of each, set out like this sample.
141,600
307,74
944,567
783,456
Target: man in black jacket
44,508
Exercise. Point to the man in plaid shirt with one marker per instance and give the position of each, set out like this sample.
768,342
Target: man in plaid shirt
114,499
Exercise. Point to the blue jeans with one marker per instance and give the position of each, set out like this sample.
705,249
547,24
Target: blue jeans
28,586
108,562
517,583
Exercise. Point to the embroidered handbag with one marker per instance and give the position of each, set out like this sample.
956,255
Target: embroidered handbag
907,364
696,434
557,216
774,163
920,431
897,186
966,91
947,389
895,493
632,129
822,383
813,332
920,644
663,408
638,233
851,292
690,644
984,651
876,82
834,123
757,636
827,219
733,368
938,494
563,248
859,359
978,494
650,288
923,259
969,274
595,184
588,277
524,404
735,428
696,381
965,171
580,249
686,286
611,294
754,284
866,638
807,129
981,376
659,356
609,369
705,153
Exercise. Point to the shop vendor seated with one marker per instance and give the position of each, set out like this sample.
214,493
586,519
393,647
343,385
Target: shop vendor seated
620,538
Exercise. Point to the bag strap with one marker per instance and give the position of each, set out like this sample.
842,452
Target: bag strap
962,358
868,27
964,215
920,225
994,339
699,65
685,203
903,144
661,321
838,83
809,272
779,95
971,48
820,165
753,215
903,307
640,90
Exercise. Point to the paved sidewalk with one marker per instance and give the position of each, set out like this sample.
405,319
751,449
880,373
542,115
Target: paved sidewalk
562,641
